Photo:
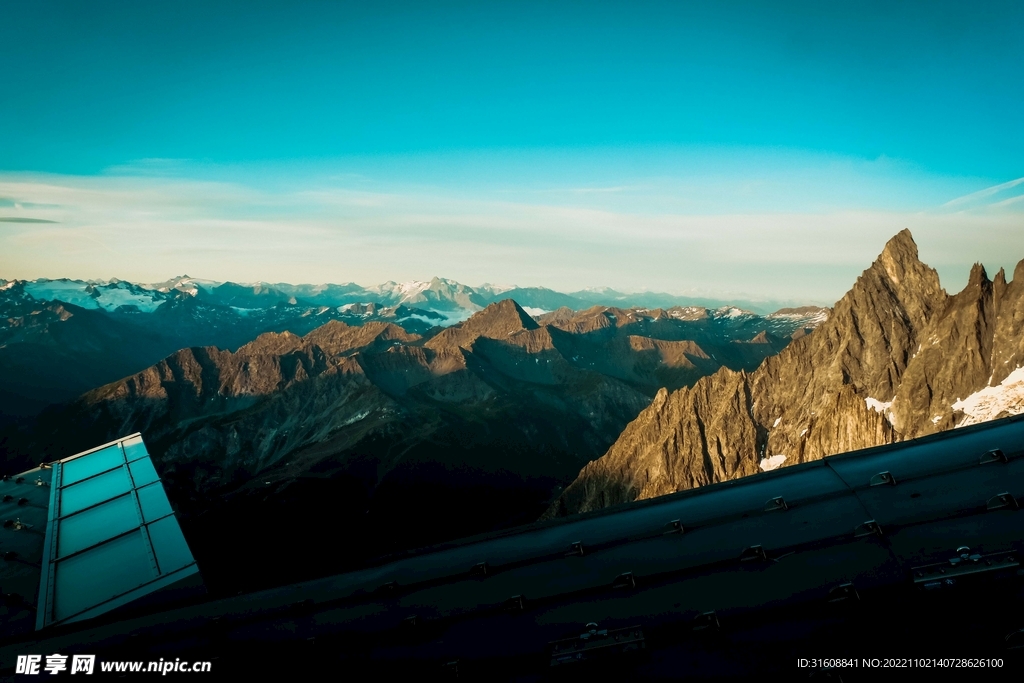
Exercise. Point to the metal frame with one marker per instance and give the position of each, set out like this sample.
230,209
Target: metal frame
55,517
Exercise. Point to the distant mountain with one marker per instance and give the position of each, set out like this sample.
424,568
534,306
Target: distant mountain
389,438
897,358
609,297
144,323
438,294
60,338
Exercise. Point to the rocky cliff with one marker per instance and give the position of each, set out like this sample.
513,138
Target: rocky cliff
897,358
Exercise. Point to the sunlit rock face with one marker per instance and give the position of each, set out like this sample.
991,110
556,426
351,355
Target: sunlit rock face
897,358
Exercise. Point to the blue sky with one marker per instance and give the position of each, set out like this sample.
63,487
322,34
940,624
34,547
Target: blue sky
760,148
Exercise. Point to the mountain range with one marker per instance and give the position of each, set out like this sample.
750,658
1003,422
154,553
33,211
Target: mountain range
60,338
383,438
297,438
898,358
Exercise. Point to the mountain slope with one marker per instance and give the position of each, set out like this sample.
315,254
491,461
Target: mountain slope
107,330
893,361
397,439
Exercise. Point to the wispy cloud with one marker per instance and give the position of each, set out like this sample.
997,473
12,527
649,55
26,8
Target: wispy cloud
980,197
590,190
339,227
1008,202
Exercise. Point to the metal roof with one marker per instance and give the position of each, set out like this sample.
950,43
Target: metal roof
24,501
917,542
111,535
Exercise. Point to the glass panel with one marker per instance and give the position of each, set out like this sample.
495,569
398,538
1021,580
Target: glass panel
88,465
92,491
143,472
86,580
134,448
169,545
96,524
154,502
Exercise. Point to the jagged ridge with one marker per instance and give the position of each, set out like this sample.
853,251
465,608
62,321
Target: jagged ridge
890,363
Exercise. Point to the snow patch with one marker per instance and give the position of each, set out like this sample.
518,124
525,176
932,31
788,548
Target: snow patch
990,402
777,421
772,463
878,406
113,296
803,432
883,407
68,291
355,418
813,319
731,312
497,289
412,288
108,297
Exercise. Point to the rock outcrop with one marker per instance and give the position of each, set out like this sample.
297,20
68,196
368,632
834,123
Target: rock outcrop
897,358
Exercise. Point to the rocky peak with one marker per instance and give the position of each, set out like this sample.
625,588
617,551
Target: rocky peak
337,338
1018,272
499,320
889,363
978,277
999,284
913,285
271,343
874,328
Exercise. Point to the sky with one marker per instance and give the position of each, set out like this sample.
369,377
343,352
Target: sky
757,150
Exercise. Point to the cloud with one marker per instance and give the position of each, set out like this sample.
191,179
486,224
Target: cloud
589,190
157,167
19,219
978,198
629,236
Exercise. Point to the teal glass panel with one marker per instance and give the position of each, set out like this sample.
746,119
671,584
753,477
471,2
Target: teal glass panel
143,472
96,524
169,545
134,448
92,491
95,576
154,502
88,465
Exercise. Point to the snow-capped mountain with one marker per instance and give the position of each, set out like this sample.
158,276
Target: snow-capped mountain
454,300
109,296
439,294
85,333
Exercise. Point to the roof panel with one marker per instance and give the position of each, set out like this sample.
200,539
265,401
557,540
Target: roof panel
134,448
143,472
109,523
99,574
154,502
97,524
171,550
81,467
91,491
